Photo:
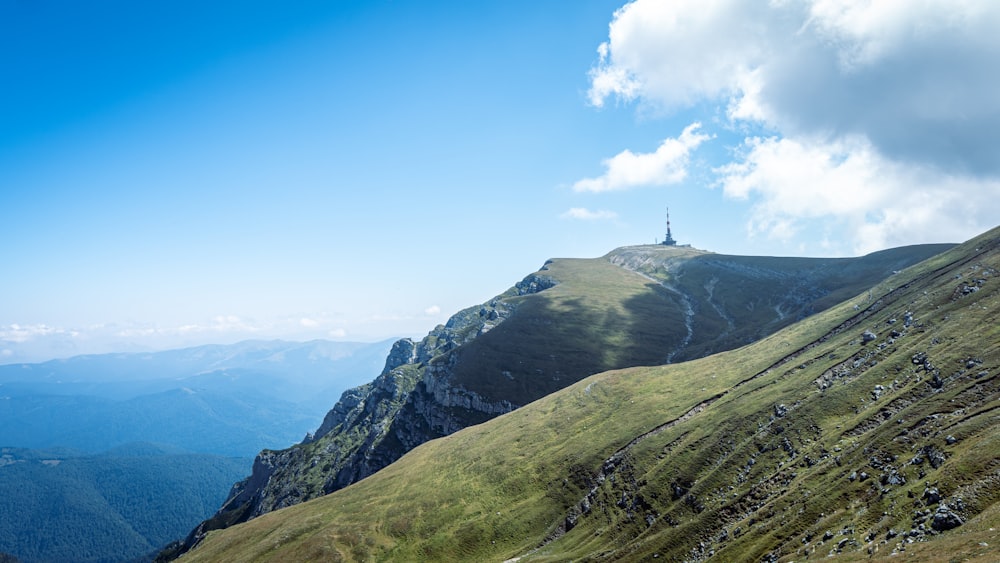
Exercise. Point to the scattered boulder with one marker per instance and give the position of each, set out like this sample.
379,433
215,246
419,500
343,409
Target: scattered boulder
877,392
678,491
933,455
867,336
967,288
936,381
780,410
945,519
892,477
932,495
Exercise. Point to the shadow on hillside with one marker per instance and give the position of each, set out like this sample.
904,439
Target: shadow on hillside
547,345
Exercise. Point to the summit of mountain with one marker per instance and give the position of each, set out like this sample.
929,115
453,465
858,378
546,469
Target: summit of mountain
868,430
573,318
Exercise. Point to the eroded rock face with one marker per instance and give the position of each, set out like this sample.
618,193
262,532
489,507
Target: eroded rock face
534,283
411,401
349,402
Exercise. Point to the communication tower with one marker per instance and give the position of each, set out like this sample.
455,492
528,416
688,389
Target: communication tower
669,240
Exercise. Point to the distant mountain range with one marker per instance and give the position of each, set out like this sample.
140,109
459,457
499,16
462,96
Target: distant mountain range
227,400
80,475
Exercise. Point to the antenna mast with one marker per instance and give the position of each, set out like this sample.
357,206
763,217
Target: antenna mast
669,240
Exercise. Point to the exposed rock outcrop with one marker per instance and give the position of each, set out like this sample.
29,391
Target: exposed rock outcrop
414,399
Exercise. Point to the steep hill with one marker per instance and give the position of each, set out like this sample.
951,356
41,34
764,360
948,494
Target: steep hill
866,430
637,306
60,505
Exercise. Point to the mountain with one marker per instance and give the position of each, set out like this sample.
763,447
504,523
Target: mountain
230,400
294,371
636,306
866,430
61,505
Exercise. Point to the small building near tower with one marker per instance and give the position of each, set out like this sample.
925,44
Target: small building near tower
669,239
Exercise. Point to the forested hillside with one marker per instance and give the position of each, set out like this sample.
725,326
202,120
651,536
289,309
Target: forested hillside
60,505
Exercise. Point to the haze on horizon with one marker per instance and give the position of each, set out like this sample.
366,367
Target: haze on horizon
184,173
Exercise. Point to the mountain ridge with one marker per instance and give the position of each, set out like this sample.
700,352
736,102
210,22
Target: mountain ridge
867,430
571,319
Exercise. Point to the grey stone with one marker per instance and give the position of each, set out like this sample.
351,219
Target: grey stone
932,495
946,519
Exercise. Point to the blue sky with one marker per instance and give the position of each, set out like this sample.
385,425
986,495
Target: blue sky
188,172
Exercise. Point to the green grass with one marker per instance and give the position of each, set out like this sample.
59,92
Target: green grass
503,489
598,317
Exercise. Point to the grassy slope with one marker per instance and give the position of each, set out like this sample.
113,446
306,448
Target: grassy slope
600,316
736,300
785,496
500,489
597,318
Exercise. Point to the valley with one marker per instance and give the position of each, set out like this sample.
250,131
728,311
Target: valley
110,457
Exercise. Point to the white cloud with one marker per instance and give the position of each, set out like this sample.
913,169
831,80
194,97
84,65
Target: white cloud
672,54
916,77
23,333
308,323
131,332
220,323
793,182
584,214
667,165
885,115
433,310
40,342
6,353
865,32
